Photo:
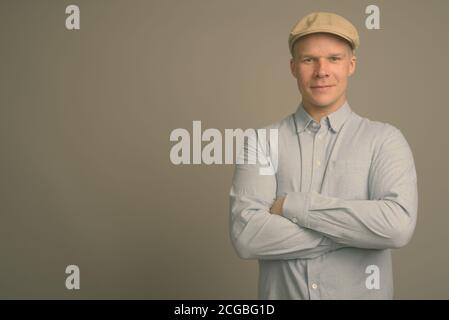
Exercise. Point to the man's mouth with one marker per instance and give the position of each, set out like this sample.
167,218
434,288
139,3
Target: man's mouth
321,89
322,86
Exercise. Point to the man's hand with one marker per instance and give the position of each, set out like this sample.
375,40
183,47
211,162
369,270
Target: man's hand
276,208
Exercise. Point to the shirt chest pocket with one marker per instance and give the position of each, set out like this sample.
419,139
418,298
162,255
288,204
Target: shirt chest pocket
348,179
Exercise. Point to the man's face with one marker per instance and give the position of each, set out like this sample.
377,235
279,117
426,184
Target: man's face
322,64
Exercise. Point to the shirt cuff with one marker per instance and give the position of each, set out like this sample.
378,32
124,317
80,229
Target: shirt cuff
296,208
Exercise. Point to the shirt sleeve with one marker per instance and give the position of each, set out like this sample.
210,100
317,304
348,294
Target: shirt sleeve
255,232
386,220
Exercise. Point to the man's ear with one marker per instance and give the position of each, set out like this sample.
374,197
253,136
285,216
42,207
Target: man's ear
293,67
352,64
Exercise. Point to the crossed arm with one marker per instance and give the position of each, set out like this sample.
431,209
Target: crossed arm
307,224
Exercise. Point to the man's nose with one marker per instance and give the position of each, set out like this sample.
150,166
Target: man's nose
321,68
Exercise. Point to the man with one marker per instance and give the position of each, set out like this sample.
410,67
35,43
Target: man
344,191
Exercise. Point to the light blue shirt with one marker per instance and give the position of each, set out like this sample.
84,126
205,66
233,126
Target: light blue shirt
351,196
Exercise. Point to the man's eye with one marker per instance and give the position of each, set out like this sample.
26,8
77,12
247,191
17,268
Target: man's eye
335,58
307,60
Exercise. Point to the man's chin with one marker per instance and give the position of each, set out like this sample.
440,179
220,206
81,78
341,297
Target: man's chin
321,104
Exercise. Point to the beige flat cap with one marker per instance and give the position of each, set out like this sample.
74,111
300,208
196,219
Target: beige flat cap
324,22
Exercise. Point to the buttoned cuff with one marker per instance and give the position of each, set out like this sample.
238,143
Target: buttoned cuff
296,207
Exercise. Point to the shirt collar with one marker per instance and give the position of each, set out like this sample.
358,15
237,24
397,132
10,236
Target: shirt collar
335,120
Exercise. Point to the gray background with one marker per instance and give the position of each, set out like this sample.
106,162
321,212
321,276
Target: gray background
85,120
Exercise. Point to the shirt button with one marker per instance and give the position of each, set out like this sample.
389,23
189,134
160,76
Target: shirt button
314,286
320,136
318,163
294,220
